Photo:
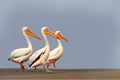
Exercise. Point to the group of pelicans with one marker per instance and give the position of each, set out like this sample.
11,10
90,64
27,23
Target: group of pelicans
43,56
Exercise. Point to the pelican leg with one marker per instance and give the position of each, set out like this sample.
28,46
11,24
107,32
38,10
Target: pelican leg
22,66
35,70
48,64
45,68
54,65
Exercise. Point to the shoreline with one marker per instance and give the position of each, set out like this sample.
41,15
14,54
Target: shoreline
14,73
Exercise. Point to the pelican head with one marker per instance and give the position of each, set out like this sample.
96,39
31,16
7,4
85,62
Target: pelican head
28,32
45,30
59,35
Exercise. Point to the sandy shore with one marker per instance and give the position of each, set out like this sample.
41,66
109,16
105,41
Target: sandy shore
13,74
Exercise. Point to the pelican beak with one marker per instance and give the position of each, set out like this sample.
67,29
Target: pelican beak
50,33
63,37
32,34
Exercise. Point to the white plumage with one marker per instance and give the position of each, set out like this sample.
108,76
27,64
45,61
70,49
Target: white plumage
22,54
39,57
53,53
56,53
36,55
19,54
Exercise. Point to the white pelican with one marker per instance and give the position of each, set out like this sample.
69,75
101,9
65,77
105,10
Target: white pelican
40,56
22,54
56,53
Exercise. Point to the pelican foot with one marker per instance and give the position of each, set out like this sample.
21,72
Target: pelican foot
35,70
48,71
56,69
21,70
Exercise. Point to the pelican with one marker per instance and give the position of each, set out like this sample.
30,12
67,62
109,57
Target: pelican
56,53
40,56
22,54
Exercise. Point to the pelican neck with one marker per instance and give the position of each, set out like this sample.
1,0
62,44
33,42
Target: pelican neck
28,41
59,42
46,39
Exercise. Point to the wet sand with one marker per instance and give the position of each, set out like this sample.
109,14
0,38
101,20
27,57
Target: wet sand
13,74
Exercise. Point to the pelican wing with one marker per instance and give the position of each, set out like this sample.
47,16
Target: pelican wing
36,55
53,53
19,52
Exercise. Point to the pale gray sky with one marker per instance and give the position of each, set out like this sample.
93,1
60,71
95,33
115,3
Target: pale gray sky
92,27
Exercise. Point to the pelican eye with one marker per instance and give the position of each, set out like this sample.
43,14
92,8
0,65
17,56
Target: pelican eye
58,32
46,29
26,28
58,36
